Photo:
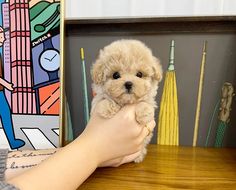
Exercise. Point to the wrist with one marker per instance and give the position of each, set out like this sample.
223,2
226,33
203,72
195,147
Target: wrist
87,147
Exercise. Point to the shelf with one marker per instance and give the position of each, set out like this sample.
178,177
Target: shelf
169,167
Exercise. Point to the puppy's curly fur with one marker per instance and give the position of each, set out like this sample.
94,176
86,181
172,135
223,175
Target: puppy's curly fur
126,72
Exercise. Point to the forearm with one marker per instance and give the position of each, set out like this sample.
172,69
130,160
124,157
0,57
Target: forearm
3,82
21,161
53,173
101,141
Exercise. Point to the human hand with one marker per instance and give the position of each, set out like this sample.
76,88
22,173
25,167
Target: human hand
9,86
126,159
119,161
104,142
115,140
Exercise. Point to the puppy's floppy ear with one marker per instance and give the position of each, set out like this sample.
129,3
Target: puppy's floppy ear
157,69
97,71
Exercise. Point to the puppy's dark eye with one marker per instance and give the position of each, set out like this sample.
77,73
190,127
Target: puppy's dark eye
116,75
139,74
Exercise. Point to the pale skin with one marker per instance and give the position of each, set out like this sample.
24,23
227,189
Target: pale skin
104,142
6,84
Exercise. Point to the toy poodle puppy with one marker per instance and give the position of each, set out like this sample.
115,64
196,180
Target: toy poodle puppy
126,72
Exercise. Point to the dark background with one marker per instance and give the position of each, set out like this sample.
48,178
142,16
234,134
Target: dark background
189,35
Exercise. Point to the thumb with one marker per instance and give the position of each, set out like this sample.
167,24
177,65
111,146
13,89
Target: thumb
127,111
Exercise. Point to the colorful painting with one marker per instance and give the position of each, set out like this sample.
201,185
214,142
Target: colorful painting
29,74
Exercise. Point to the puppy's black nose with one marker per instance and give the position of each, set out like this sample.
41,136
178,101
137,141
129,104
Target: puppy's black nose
128,85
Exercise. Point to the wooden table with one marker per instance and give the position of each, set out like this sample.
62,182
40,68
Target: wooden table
168,167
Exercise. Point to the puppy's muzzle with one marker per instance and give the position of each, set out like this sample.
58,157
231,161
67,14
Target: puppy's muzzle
128,86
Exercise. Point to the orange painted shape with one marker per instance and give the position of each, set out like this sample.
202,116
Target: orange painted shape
49,99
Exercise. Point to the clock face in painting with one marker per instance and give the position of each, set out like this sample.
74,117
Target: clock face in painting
50,60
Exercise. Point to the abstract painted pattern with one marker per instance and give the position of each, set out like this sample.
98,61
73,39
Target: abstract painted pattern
29,80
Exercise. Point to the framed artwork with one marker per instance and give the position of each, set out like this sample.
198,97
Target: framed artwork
30,93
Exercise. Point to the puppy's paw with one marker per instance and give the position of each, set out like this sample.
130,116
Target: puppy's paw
142,155
107,108
144,113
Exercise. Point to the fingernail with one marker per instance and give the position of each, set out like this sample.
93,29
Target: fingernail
154,123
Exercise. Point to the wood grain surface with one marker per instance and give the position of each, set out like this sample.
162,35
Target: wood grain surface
170,167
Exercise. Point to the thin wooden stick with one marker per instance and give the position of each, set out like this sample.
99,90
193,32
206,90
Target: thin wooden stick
199,99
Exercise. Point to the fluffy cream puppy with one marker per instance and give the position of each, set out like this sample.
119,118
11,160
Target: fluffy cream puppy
126,72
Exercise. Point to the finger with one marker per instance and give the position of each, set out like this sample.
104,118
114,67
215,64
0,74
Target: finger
148,129
130,158
151,125
127,111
